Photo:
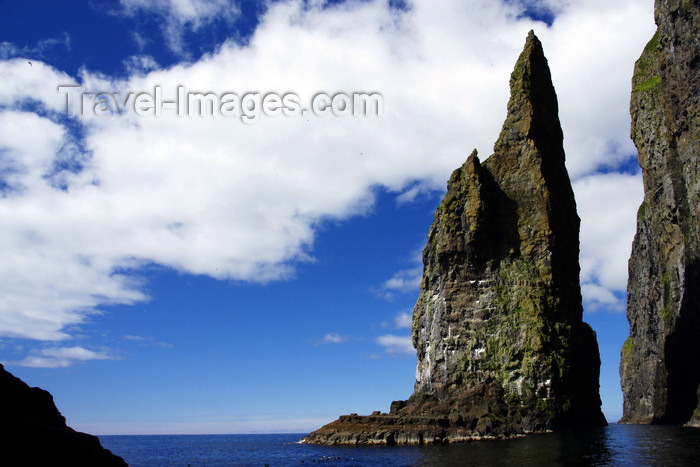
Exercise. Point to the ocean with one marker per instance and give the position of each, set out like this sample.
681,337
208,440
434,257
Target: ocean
636,445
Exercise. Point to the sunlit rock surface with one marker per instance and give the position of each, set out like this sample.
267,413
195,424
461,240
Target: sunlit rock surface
502,349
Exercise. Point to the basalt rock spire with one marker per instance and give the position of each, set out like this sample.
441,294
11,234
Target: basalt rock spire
500,299
660,364
501,346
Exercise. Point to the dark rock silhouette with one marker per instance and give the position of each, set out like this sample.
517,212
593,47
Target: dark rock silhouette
660,363
33,431
501,345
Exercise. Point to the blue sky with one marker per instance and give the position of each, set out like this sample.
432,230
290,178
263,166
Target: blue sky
169,274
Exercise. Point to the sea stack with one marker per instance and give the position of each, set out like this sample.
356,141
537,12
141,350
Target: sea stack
660,364
33,431
501,346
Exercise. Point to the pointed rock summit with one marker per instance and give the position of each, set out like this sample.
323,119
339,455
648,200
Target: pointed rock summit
660,364
501,346
500,299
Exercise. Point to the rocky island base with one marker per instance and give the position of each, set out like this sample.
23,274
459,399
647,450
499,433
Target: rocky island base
408,423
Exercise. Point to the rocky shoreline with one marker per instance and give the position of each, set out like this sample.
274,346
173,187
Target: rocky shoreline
384,429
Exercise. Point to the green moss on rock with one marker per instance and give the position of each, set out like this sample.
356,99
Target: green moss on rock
642,210
648,85
627,351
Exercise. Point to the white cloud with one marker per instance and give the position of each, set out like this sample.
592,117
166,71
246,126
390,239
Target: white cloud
130,337
396,345
414,192
406,280
60,357
592,81
38,51
37,82
217,197
333,338
140,64
607,205
147,341
596,297
403,320
180,15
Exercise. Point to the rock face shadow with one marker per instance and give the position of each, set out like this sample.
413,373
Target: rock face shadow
33,431
659,366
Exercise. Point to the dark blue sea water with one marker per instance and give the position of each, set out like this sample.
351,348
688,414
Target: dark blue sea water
615,445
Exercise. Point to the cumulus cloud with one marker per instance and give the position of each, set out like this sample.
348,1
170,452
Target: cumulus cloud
593,86
396,345
607,205
83,211
60,357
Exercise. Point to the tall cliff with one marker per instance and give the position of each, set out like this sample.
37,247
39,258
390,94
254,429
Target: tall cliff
500,298
502,348
660,363
33,432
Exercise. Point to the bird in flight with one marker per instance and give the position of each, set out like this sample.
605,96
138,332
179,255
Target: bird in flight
30,63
